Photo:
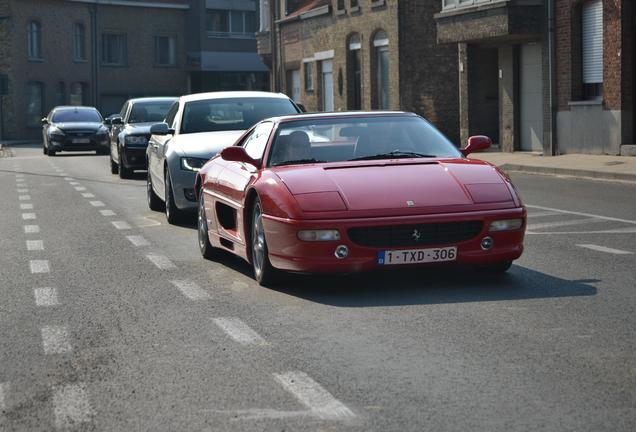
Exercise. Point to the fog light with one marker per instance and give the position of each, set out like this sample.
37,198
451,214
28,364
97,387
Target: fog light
487,243
319,235
189,194
506,224
341,252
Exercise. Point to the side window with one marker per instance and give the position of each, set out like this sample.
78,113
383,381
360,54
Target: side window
123,110
255,144
172,113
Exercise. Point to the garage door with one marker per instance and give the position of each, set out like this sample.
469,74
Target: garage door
531,94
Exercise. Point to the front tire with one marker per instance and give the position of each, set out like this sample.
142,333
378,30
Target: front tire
124,172
205,247
44,150
114,168
264,273
173,214
50,152
154,202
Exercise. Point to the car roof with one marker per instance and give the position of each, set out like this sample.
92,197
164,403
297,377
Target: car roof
341,114
153,99
231,94
74,107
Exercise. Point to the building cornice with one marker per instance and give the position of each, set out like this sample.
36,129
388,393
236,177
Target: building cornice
156,5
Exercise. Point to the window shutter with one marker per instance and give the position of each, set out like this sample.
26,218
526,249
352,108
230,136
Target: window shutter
592,17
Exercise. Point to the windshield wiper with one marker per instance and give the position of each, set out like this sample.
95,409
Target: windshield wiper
298,161
394,155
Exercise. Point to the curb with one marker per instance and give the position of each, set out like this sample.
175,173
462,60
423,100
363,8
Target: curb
597,175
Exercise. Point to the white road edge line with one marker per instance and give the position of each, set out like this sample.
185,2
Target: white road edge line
137,240
33,245
633,222
239,331
162,262
311,394
71,405
570,222
55,340
39,266
605,249
611,231
121,225
31,229
46,297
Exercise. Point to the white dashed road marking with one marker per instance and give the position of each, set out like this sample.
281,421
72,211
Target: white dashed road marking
239,331
31,229
145,222
70,179
107,213
28,216
319,401
138,240
34,245
39,266
633,222
55,340
191,290
563,223
26,206
71,406
4,390
605,249
121,225
24,197
97,203
80,188
46,297
88,195
162,262
23,191
74,183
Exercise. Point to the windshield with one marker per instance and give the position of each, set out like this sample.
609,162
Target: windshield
232,114
77,116
360,138
149,112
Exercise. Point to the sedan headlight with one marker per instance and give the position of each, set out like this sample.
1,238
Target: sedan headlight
319,235
136,140
56,134
192,164
506,224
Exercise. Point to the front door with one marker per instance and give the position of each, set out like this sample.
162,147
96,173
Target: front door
327,85
531,94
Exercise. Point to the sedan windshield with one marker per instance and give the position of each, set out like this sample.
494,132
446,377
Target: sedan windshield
359,138
231,114
149,112
77,116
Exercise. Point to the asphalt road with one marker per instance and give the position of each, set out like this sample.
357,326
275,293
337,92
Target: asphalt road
110,320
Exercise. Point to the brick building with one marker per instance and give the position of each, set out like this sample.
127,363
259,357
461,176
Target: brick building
361,54
553,76
99,53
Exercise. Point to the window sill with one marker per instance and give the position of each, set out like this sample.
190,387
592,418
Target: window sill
114,65
341,11
354,9
586,102
35,60
377,3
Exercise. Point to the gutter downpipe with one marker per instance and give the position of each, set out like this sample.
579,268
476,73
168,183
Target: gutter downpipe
95,59
551,78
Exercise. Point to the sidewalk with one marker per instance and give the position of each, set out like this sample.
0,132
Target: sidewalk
621,168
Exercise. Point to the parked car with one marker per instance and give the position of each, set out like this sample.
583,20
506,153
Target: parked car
387,190
108,121
130,133
197,128
74,128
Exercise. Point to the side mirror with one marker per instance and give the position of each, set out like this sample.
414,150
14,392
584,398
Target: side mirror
237,154
44,121
475,144
302,107
161,129
117,120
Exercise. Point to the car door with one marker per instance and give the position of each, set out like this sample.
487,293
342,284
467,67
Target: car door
157,150
45,130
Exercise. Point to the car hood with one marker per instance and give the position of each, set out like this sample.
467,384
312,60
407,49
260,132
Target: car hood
411,186
72,127
138,128
205,144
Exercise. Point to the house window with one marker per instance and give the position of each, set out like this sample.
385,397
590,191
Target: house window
340,5
353,4
165,51
381,56
592,49
34,104
79,42
264,15
114,49
34,40
226,23
354,73
79,94
309,76
60,93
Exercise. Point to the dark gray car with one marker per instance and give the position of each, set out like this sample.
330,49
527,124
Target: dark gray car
74,128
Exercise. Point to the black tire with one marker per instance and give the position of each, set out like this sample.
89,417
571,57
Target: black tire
173,214
205,247
264,273
124,172
114,168
501,267
102,152
154,202
44,149
50,152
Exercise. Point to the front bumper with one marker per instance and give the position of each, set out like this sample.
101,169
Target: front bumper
183,188
95,142
288,253
134,157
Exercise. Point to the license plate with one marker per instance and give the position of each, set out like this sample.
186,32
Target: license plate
414,256
81,141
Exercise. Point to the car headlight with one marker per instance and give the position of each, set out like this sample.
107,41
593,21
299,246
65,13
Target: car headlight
506,224
136,140
192,164
56,134
319,235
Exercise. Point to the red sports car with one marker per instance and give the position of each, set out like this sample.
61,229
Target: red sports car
347,192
